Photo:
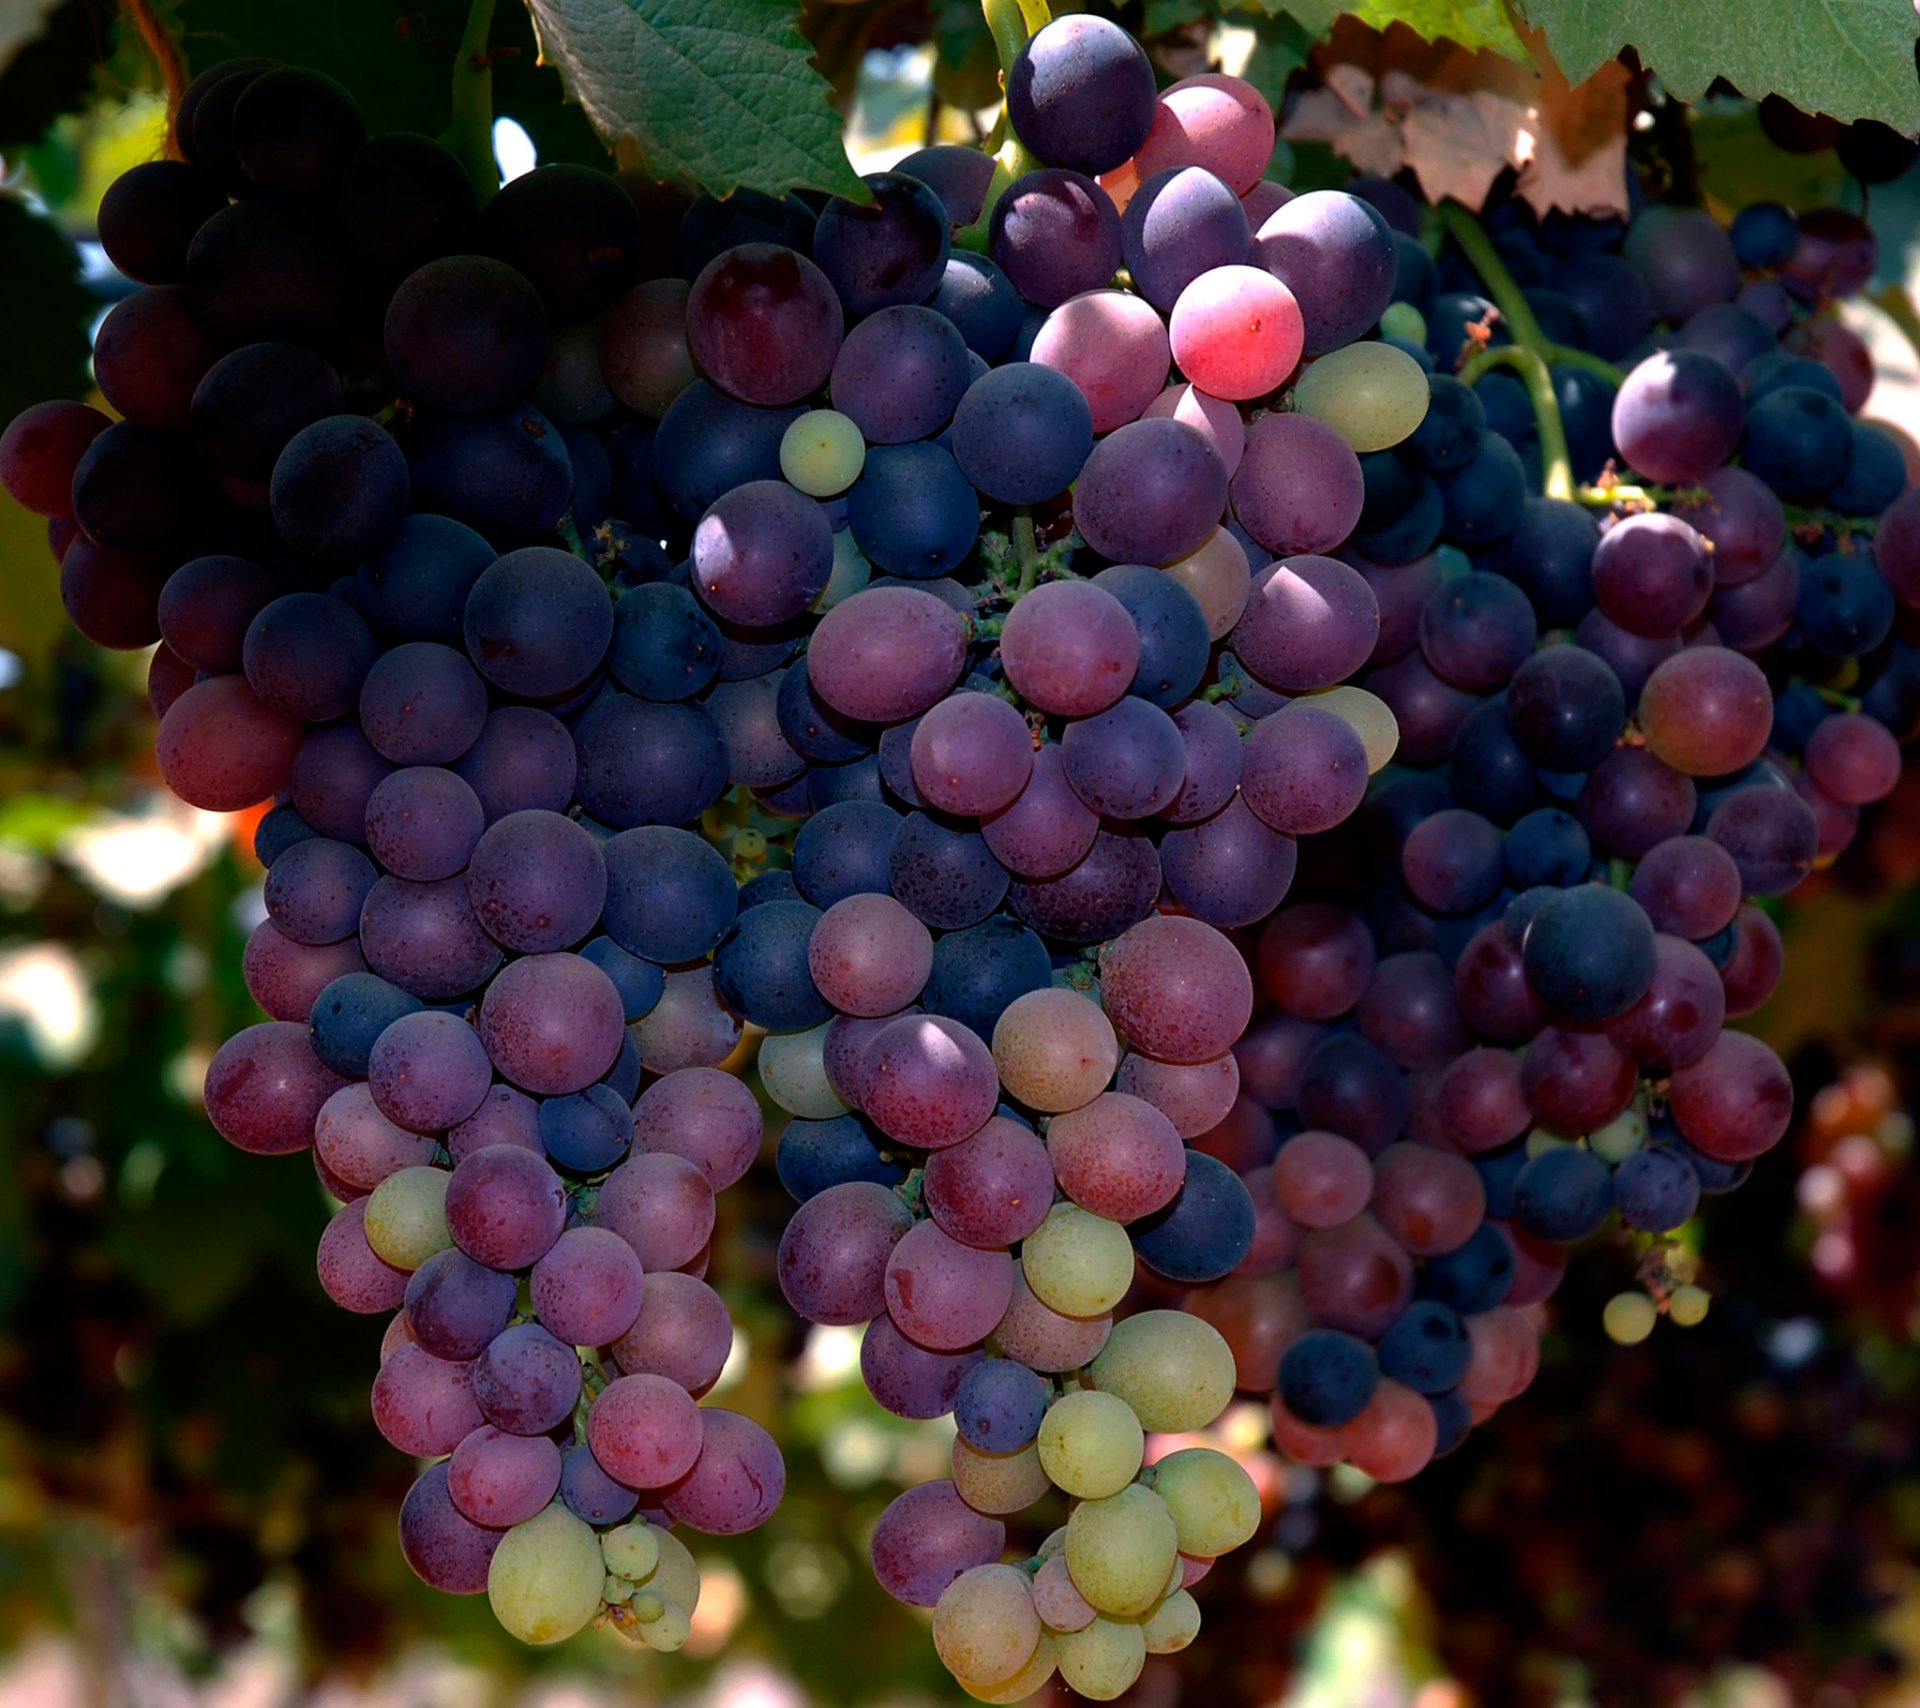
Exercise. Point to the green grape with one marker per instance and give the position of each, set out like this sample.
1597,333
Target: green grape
1372,395
1214,1504
546,1577
632,1551
1172,1625
407,1217
1102,1660
1629,1318
1403,320
669,1631
1174,1370
1372,720
1077,1263
822,453
647,1605
1120,1549
1541,1140
677,1577
1023,1683
1091,1443
850,572
984,1626
616,1590
998,1483
1619,1138
795,1077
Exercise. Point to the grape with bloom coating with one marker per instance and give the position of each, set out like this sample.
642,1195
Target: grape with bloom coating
1121,1549
1076,1263
1175,1371
1055,1050
545,1577
1214,1503
984,1626
1090,1444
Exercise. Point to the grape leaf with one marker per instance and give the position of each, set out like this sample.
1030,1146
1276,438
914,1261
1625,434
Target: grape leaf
48,309
719,91
1473,24
1848,58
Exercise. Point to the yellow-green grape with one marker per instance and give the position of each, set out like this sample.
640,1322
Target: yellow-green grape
1371,394
407,1217
1023,1683
616,1590
677,1577
1214,1504
646,1604
546,1577
1372,720
1629,1318
1542,1139
1091,1444
1619,1138
1102,1660
1119,1550
632,1551
1403,320
670,1631
795,1076
1176,1579
998,1483
1688,1305
1172,1625
984,1626
1077,1263
822,453
1174,1370
850,572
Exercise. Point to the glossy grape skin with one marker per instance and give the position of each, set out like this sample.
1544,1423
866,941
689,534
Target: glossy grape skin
1678,416
891,251
1150,492
1219,122
763,323
1055,234
1336,254
1310,622
1114,347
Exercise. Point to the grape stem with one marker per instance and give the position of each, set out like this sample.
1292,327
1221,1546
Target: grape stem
1010,22
469,131
166,57
1533,371
1027,549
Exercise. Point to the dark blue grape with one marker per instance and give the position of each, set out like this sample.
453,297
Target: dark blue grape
1427,1348
1563,1194
760,968
1449,434
1174,646
711,226
1452,313
1205,1232
1000,1405
573,231
1876,473
1548,847
1327,1377
892,250
815,1155
1349,1086
664,647
857,780
1614,298
1055,233
1498,1170
1452,1419
944,873
1481,500
670,894
415,586
1566,709
643,763
639,982
278,831
1656,1190
1798,440
980,300
1845,608
1473,1278
1765,235
503,471
843,851
912,511
1589,953
958,176
350,1014
1782,370
1021,433
339,490
1549,556
774,885
587,1491
1415,279
710,443
1082,94
587,1132
1488,772
978,972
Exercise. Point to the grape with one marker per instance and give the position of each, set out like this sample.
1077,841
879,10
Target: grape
1046,1339
315,891
1047,830
1236,332
1565,707
1686,258
1180,224
537,622
1174,1371
928,1082
1327,1377
906,1379
984,1627
760,968
406,1218
942,1294
206,606
737,1483
707,1117
1676,1022
1798,440
912,511
1070,647
971,755
1477,629
1408,1011
526,1382
1656,1190
1127,762
645,1431
643,763
505,1206
661,1205
286,978
1120,1550
1054,1049
833,1256
1115,885
1114,347
265,1087
1356,1277
415,587
763,324
425,938
1022,432
682,1333
992,1189
900,375
1576,1082
1335,254
1322,1180
958,176
893,250
1231,869
1117,1156
1206,1231
843,850
350,1273
1150,492
455,1306
444,1548
821,454
265,269
926,1538
1081,94
424,1405
1104,1659
1678,417
545,1577
423,823
1563,1194
339,490
428,1071
1844,607
41,450
1055,234
644,359
998,1405
1707,711
868,955
573,232
1090,1444
1304,769
1221,123
151,352
1176,989
946,878
588,1287
1427,1199
816,1154
886,654
466,333
1310,622
502,471
1298,487
148,216
404,201
502,1480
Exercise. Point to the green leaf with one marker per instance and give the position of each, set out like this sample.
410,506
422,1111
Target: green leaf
1850,59
48,311
719,91
1474,24
1164,16
1280,48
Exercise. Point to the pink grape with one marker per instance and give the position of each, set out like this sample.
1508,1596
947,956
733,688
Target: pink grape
1070,648
683,1333
929,1082
942,1294
1114,347
1046,829
1355,1277
1298,487
505,1207
645,1431
1176,989
352,1275
832,1261
1117,1156
1735,1101
424,1405
661,1205
869,956
1212,120
265,1088
1214,418
737,1482
588,1287
1194,1096
926,1538
1042,1338
1237,332
1429,1200
971,754
552,1023
1322,1180
993,1189
706,1116
501,1480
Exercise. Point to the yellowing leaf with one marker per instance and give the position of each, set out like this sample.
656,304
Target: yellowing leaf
719,91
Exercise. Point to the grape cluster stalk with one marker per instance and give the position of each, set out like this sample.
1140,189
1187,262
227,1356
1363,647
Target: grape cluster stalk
1229,747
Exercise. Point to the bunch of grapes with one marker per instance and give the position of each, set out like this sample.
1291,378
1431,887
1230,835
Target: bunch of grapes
1258,764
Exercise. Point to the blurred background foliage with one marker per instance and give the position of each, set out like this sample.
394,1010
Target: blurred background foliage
194,1505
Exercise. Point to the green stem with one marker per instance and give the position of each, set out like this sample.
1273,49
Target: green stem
1224,689
1532,369
1834,698
1478,248
469,131
1028,551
